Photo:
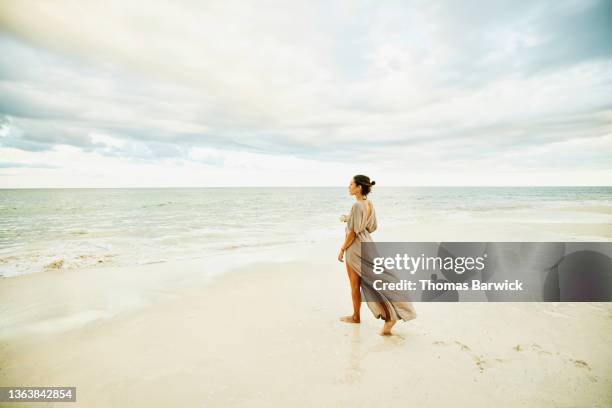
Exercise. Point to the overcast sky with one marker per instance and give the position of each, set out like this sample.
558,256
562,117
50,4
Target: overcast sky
192,93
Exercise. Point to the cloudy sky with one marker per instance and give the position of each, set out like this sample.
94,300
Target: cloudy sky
212,93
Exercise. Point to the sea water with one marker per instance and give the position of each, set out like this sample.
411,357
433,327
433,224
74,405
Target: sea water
42,229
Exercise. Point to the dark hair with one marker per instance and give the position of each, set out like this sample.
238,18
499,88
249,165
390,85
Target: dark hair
364,182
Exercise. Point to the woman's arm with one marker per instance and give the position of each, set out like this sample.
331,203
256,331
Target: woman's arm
350,237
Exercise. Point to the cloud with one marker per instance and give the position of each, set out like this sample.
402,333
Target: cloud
323,82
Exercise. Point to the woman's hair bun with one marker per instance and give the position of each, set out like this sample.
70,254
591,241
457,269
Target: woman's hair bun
364,182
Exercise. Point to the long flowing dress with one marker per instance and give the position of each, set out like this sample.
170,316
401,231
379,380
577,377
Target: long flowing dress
363,225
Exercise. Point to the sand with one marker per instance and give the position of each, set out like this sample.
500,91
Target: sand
267,334
598,209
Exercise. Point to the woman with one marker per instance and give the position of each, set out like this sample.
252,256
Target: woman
360,223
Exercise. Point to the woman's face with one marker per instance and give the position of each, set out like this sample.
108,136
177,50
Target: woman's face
354,188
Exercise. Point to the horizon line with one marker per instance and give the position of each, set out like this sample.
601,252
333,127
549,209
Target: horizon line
285,186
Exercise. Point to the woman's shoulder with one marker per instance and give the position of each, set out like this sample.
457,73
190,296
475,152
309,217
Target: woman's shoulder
360,205
364,203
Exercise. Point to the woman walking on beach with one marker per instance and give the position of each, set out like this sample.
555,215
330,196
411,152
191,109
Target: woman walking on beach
361,222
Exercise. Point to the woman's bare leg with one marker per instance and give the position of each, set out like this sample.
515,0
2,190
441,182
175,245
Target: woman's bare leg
355,281
389,323
386,330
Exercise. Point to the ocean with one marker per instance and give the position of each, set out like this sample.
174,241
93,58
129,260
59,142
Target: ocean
42,229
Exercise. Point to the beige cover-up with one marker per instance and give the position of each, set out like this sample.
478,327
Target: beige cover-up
363,225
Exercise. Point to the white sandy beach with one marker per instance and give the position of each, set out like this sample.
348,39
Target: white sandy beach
267,334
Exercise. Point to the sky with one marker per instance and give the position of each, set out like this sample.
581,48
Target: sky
287,93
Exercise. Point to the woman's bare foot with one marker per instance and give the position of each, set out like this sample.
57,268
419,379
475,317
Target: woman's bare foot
350,319
386,331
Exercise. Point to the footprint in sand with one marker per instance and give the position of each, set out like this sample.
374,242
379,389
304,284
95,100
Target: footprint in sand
580,364
463,346
479,360
583,364
592,378
481,363
577,363
537,348
534,347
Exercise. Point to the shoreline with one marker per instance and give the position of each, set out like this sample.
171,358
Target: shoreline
73,300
